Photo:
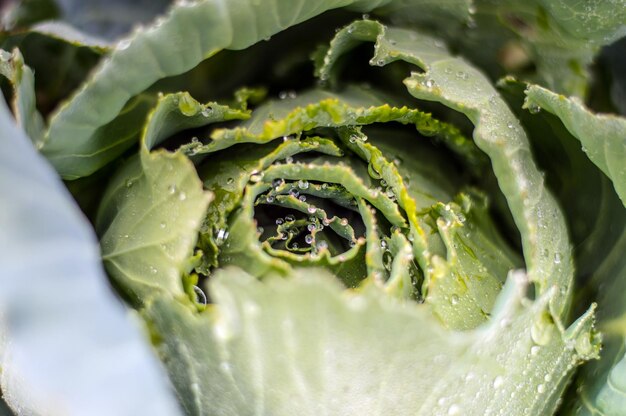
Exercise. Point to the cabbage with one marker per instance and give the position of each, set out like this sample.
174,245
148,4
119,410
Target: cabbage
416,211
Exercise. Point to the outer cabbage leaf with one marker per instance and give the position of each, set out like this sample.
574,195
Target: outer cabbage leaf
603,137
208,26
67,346
597,224
153,207
559,37
601,385
303,345
22,78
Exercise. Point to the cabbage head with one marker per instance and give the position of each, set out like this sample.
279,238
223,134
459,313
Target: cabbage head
329,207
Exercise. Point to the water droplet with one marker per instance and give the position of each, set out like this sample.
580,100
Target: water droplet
289,159
462,75
295,246
308,239
454,299
310,227
498,382
290,218
510,125
230,181
534,350
430,83
321,245
534,109
182,196
365,16
279,221
153,270
171,189
454,410
343,221
294,192
200,295
312,209
123,44
260,230
222,235
548,377
163,224
269,199
557,258
540,332
129,183
302,184
541,388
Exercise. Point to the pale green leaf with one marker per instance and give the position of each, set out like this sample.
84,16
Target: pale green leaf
602,136
148,55
303,346
153,207
67,346
22,79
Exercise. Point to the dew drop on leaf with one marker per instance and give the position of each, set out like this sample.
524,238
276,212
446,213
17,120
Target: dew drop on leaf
454,410
200,295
